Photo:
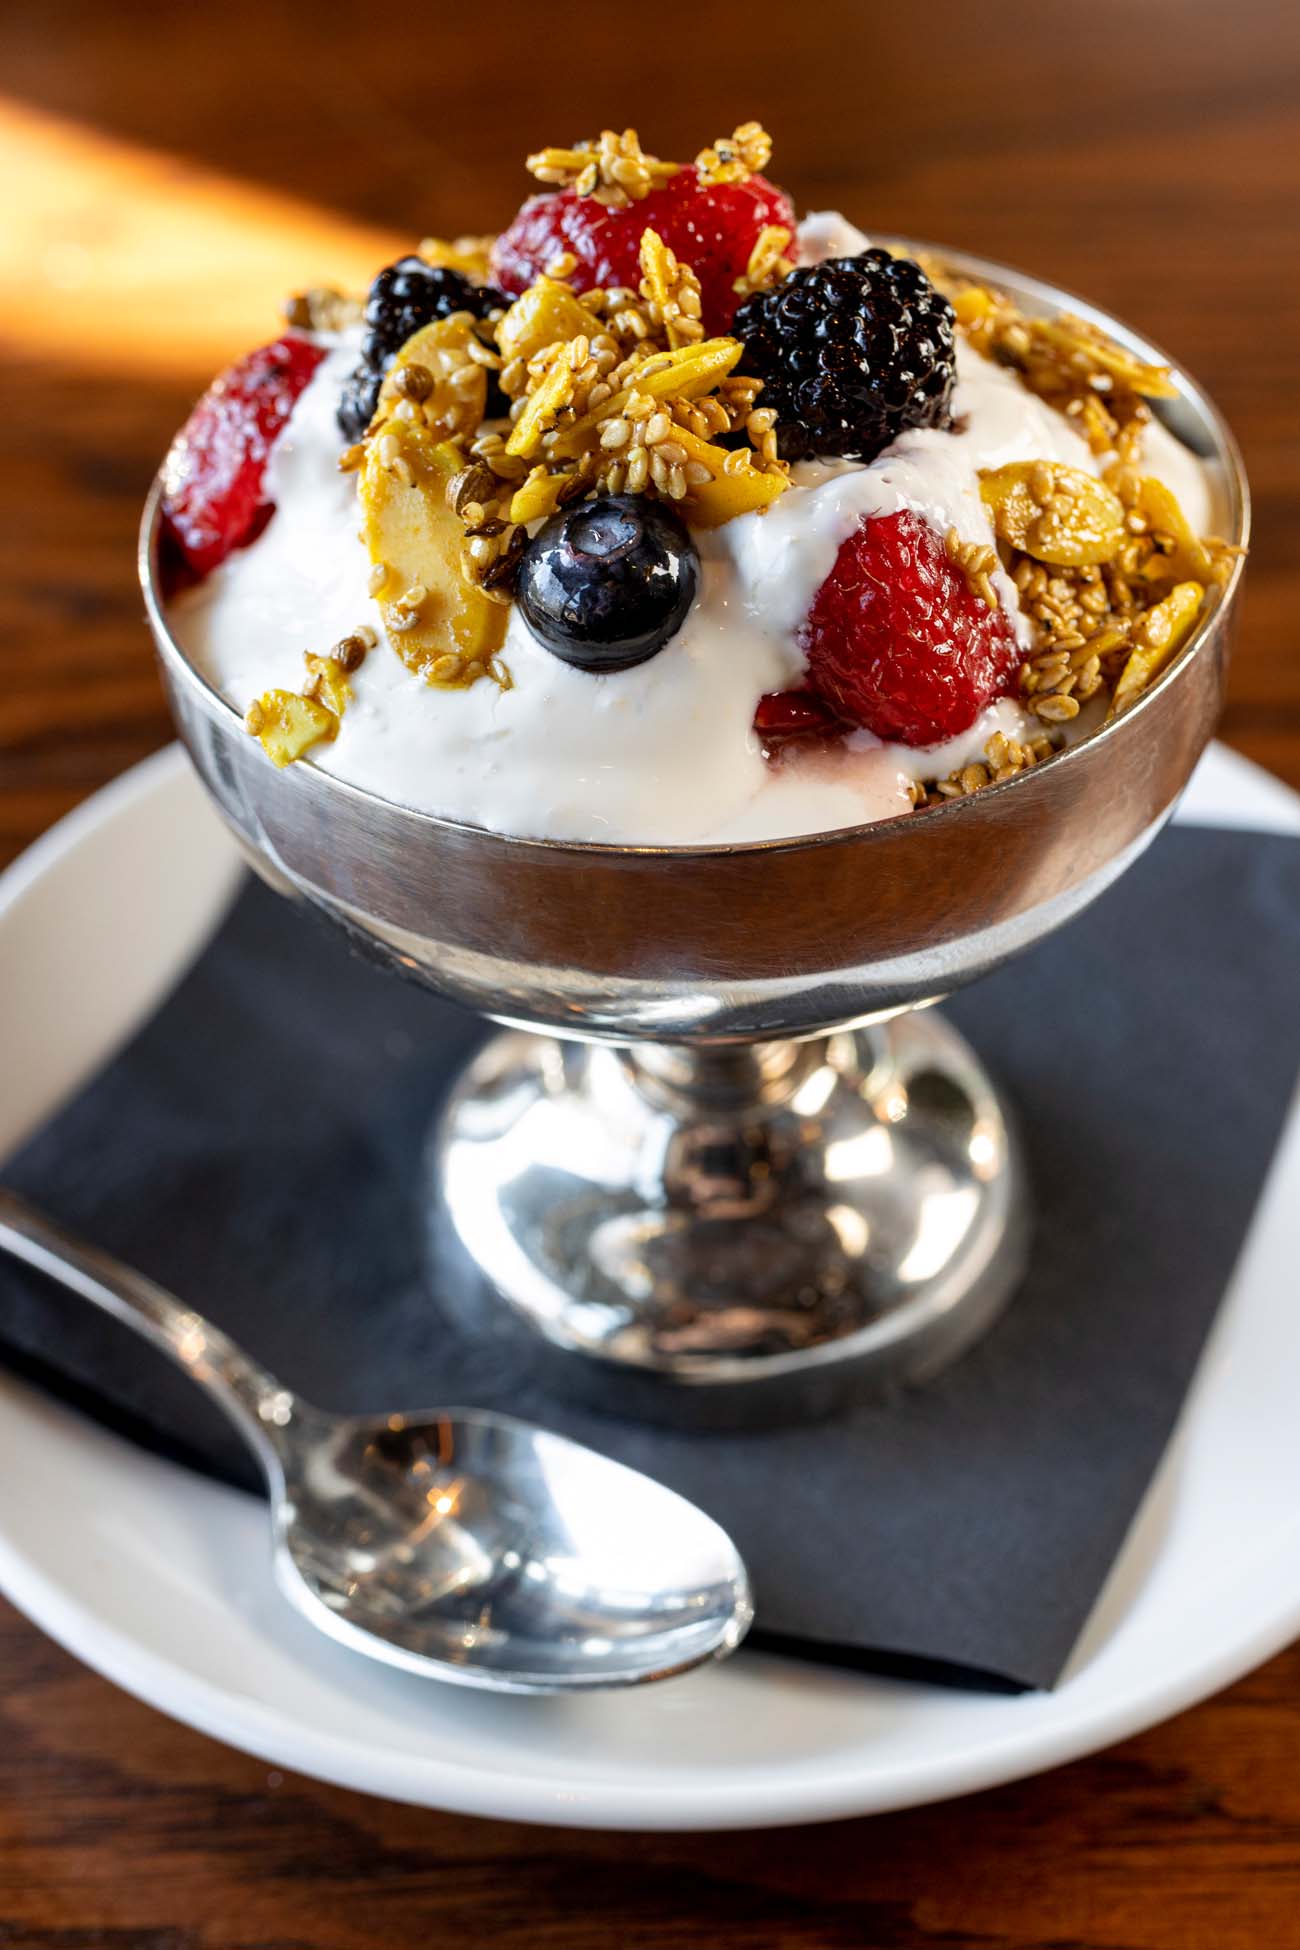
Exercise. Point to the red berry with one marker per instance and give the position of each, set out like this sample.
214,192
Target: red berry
783,718
712,230
896,641
212,497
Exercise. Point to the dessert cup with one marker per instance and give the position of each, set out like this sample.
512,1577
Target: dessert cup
725,1164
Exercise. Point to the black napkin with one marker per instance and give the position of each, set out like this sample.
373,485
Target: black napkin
258,1149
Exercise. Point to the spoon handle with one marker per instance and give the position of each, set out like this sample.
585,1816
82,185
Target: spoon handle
259,1405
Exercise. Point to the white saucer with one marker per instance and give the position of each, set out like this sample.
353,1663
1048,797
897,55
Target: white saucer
161,1580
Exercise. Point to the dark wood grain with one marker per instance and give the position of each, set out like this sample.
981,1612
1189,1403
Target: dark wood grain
1148,156
122,1831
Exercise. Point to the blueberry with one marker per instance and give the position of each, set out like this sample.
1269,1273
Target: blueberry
606,583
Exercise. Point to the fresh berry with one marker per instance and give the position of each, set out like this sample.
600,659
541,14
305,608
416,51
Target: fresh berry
784,718
896,641
402,298
851,353
606,583
212,493
711,229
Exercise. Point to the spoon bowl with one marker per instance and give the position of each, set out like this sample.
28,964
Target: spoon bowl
500,1553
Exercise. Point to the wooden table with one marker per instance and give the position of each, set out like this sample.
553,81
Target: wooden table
169,173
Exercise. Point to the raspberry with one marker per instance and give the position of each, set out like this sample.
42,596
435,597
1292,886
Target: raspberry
212,494
784,718
851,352
712,230
895,640
404,297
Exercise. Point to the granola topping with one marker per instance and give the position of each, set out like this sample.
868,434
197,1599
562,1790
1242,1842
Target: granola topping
614,169
744,153
489,422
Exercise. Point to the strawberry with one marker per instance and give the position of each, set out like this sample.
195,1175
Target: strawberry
212,495
896,641
711,229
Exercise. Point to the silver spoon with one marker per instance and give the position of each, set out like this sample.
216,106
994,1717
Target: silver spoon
456,1543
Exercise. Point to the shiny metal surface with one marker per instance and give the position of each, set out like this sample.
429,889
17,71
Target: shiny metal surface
715,950
726,1237
457,1544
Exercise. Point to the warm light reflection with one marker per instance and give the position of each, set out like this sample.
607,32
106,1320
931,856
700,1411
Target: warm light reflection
814,1093
985,1151
192,1345
891,1104
942,1224
865,1155
445,1501
850,1228
119,258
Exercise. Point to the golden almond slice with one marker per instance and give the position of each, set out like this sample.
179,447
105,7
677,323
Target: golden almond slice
328,680
703,451
441,626
538,497
457,383
1187,557
544,314
471,256
726,462
684,374
1156,637
287,725
1079,339
975,306
746,492
1057,514
543,408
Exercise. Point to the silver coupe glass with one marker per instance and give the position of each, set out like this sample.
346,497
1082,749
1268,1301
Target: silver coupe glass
725,1163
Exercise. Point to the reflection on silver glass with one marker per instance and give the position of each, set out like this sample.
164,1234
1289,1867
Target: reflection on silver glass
458,1544
825,1227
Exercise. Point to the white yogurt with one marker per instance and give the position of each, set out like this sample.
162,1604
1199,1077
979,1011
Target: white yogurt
663,754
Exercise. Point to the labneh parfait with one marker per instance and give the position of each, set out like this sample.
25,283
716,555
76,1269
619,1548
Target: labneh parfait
665,518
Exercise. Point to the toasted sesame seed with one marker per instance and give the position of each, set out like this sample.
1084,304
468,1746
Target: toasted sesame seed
1057,710
638,471
414,381
349,652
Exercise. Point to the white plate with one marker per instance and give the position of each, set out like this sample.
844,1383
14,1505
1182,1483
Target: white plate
161,1580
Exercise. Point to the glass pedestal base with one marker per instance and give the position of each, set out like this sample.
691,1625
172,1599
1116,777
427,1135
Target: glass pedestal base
728,1236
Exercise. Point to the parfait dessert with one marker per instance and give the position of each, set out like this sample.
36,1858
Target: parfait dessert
668,518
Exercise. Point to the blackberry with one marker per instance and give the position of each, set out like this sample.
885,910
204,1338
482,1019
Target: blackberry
402,298
851,353
357,402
